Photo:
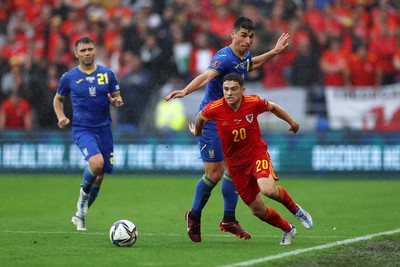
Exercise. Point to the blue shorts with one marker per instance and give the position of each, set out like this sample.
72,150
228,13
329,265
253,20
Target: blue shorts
210,144
93,141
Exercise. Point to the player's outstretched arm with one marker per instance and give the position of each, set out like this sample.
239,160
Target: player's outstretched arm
282,114
280,46
197,83
116,100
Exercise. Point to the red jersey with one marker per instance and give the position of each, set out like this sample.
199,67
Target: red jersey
239,130
15,113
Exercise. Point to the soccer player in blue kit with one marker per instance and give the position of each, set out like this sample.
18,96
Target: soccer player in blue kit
232,58
92,88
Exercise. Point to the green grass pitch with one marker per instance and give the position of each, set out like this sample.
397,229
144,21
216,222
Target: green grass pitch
35,227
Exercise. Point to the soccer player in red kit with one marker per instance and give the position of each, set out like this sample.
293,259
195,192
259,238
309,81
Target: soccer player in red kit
246,153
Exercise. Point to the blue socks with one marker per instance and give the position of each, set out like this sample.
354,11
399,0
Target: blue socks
88,179
230,197
203,192
89,186
94,191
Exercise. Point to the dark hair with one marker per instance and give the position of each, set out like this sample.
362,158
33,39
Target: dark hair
84,40
234,76
245,23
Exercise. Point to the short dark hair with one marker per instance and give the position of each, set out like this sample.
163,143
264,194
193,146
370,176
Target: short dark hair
245,23
234,76
84,40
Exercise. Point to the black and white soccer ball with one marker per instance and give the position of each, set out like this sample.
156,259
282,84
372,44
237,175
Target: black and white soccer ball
123,233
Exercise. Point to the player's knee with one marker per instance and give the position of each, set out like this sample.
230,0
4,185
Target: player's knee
214,175
270,191
99,179
97,164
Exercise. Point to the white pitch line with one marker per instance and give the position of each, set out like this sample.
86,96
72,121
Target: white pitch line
300,251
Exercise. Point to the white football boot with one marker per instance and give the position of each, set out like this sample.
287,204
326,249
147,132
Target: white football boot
303,217
83,205
288,235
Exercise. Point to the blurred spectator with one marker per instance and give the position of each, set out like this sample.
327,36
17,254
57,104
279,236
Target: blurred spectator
305,66
333,64
170,116
362,68
15,112
221,21
396,62
305,72
15,77
383,46
201,55
276,70
137,89
182,48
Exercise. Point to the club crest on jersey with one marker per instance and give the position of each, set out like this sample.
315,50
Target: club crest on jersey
90,79
249,118
92,91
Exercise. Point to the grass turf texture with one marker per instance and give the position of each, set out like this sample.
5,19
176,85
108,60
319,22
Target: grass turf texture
35,227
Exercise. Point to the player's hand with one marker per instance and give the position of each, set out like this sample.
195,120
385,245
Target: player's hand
116,101
282,43
192,128
294,127
174,94
63,122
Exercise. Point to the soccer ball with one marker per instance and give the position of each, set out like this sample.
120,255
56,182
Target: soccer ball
123,233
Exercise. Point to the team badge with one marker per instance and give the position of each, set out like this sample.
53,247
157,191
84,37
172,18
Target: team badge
92,91
211,153
249,118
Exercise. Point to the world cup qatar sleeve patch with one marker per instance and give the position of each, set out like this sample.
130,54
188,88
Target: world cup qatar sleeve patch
215,63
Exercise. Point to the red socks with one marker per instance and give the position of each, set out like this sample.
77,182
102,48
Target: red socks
273,218
286,200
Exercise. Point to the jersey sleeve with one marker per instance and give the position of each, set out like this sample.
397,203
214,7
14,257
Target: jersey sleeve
219,63
63,87
262,104
114,85
206,112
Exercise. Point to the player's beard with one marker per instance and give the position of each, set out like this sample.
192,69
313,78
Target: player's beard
87,61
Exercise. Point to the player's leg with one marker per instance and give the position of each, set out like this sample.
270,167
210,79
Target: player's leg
272,217
87,143
278,193
105,164
213,172
230,196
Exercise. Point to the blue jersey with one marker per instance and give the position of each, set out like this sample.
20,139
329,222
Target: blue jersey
88,92
225,61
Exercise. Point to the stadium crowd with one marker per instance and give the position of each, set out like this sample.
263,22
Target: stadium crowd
152,43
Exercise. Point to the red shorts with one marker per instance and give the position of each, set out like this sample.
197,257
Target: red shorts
245,177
